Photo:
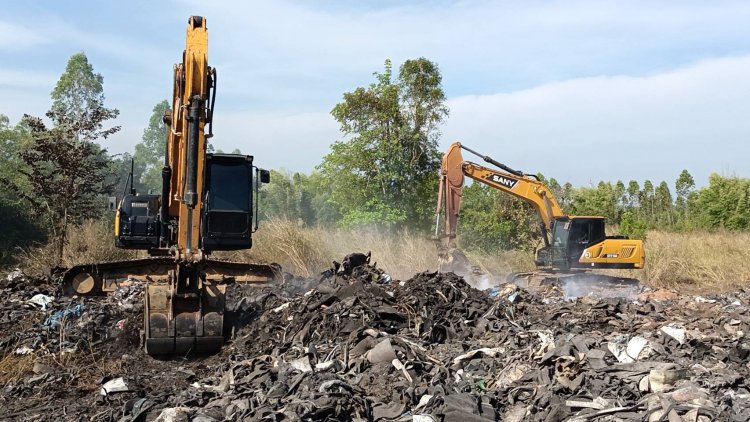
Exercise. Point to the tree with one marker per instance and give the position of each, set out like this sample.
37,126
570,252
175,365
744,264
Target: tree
633,191
387,171
725,203
20,227
150,152
663,203
646,200
621,198
278,198
297,197
494,221
65,171
78,101
633,227
684,189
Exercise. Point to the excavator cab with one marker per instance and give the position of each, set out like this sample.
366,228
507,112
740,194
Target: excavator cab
230,208
571,237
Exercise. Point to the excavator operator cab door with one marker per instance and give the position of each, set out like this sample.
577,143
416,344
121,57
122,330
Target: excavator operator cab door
584,232
228,204
570,237
559,247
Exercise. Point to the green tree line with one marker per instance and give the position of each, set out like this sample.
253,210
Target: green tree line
383,172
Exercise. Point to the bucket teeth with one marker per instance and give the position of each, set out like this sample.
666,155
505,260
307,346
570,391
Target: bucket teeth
179,318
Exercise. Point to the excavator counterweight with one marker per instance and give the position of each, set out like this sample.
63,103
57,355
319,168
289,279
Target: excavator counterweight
208,203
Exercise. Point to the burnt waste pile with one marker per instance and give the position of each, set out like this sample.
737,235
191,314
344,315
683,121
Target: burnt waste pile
354,344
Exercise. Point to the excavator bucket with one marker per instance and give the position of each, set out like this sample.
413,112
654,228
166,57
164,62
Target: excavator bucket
184,303
187,314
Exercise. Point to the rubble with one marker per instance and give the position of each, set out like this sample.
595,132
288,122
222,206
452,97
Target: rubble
353,344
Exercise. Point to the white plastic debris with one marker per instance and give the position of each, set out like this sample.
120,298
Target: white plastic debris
23,350
334,364
115,385
423,401
675,333
400,366
546,342
15,274
636,348
660,380
41,300
382,352
281,307
701,299
302,364
174,414
477,353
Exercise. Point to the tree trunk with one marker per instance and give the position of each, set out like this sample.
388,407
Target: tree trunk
62,238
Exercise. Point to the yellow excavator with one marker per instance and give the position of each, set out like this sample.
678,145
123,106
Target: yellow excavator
571,243
208,203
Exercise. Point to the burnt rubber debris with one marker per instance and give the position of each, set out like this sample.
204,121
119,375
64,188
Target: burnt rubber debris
354,344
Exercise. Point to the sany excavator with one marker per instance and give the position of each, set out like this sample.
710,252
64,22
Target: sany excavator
571,243
207,203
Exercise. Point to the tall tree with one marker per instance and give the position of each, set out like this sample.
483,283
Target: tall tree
684,189
66,171
20,227
646,200
78,101
725,203
663,203
386,171
149,153
633,191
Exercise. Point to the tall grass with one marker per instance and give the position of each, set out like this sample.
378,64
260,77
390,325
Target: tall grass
307,251
90,242
691,262
697,261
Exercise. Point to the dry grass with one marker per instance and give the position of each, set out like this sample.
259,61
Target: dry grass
307,251
296,249
13,367
92,241
692,262
697,261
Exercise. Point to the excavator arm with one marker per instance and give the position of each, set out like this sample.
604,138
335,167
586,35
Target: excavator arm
523,186
186,142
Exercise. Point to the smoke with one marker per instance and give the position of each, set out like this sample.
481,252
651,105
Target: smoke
477,278
599,285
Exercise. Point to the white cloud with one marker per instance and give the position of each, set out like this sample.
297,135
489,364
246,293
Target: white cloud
569,88
292,141
619,127
18,37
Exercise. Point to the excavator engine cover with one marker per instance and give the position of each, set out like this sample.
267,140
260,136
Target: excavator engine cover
136,222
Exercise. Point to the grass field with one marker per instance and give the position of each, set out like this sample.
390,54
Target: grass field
692,262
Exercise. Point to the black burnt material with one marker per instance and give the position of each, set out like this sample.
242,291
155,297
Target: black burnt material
352,344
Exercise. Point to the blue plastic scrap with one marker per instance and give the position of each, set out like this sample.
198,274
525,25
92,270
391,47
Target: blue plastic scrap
70,313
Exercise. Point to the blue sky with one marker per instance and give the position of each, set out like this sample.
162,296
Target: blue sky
579,90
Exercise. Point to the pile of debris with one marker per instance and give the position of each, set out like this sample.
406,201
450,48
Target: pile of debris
355,345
